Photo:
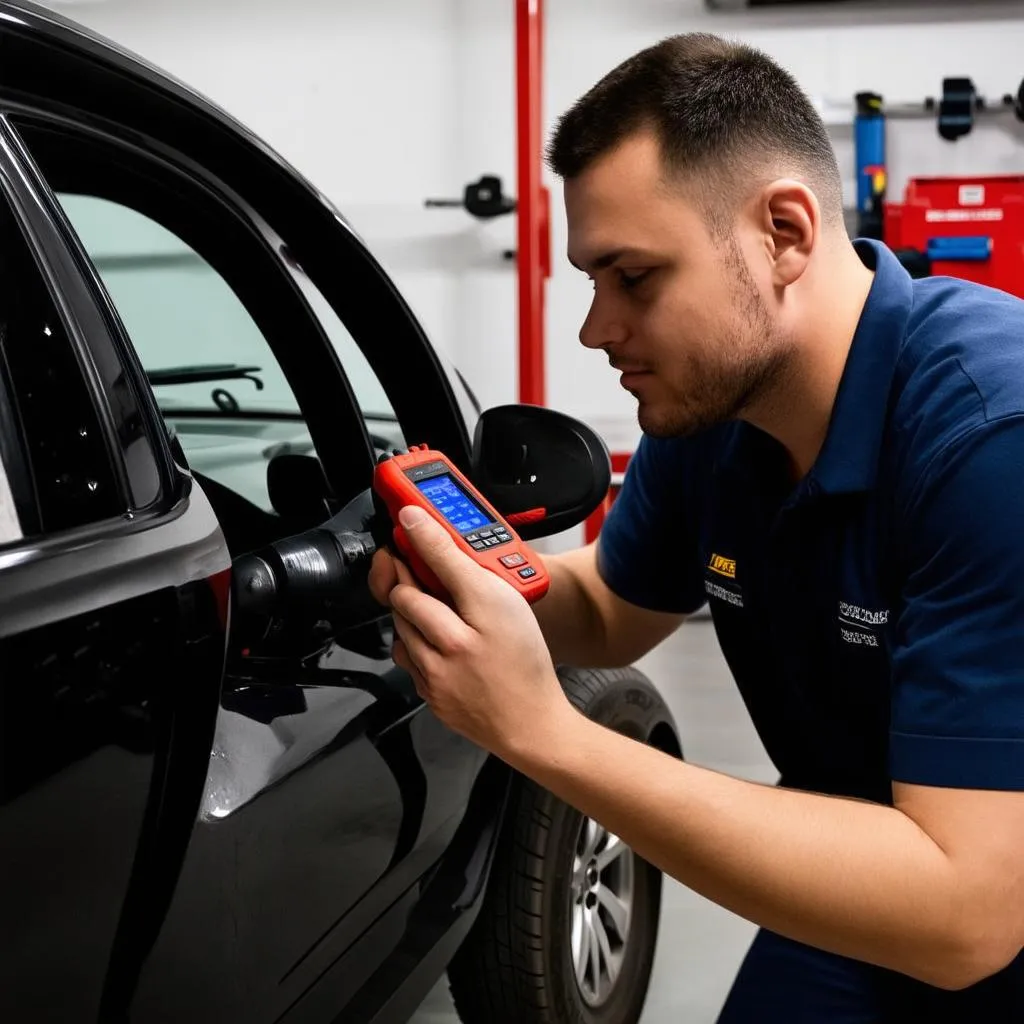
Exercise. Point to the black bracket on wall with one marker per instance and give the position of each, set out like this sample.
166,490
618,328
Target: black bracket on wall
483,199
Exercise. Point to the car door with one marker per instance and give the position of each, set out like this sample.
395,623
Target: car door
331,788
114,582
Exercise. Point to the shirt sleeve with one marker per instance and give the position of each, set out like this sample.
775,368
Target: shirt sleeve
958,657
647,550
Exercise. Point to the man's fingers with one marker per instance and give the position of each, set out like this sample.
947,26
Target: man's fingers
383,576
418,657
439,626
410,638
403,659
404,574
458,573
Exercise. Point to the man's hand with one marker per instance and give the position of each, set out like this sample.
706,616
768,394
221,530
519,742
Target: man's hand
481,664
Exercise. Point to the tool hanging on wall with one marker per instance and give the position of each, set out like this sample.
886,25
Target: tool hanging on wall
956,112
968,227
483,199
869,147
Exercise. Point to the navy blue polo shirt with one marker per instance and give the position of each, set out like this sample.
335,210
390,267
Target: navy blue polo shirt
872,614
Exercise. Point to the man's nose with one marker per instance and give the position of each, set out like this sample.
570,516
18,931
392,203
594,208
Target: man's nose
602,327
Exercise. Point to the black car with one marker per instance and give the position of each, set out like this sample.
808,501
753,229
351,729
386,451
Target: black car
220,800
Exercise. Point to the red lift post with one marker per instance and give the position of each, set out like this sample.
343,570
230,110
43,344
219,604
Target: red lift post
533,207
533,202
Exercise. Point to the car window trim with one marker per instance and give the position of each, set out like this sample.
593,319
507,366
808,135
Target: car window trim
102,341
74,305
330,427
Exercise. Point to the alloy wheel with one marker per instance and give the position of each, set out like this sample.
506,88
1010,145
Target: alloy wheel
602,907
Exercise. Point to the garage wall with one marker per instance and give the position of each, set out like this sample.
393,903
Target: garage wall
385,104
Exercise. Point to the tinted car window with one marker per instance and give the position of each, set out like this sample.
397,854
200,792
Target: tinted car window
198,344
247,378
67,458
180,313
177,309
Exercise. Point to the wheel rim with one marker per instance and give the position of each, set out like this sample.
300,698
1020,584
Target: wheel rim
602,910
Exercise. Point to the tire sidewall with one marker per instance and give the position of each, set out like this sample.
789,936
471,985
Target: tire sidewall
627,703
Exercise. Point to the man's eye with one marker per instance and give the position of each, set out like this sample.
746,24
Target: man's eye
632,280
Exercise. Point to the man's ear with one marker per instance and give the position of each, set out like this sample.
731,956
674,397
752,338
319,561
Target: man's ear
790,219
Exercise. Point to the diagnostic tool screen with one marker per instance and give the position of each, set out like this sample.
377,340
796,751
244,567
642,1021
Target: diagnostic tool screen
453,503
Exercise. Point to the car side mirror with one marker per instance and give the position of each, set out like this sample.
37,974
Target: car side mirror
542,470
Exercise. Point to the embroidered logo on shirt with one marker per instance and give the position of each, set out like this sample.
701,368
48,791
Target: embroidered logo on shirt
729,592
860,625
723,594
723,566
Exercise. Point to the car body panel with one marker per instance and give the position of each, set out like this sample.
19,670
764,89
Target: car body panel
99,738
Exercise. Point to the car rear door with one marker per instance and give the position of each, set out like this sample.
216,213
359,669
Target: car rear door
113,604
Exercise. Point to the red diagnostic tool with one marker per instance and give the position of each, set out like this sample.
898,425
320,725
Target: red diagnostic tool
426,478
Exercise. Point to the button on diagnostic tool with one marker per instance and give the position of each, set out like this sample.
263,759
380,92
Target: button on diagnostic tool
511,561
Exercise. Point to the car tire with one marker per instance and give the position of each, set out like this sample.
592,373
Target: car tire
524,960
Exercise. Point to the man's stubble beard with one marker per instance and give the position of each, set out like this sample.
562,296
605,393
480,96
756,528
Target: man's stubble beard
722,392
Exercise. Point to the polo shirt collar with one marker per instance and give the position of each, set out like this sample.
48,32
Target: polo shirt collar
849,458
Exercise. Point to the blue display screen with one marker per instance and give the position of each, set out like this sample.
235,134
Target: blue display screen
452,502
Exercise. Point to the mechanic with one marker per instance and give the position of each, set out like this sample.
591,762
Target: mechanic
833,458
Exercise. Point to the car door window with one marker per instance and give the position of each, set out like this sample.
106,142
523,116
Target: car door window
182,316
243,370
200,347
179,312
47,407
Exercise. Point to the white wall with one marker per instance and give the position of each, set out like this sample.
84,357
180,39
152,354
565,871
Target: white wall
384,104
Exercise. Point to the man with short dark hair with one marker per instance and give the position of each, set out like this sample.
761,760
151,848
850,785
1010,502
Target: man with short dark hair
833,459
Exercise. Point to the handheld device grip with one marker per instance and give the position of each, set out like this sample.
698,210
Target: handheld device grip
420,569
428,479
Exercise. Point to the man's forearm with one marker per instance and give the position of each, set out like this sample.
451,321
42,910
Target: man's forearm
568,619
587,625
859,879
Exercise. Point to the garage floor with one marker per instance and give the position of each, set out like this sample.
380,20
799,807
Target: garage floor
700,945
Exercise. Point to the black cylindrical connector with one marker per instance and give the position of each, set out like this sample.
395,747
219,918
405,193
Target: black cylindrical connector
319,575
